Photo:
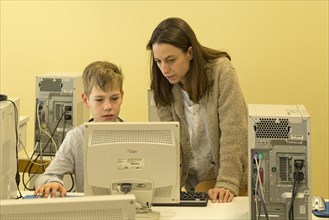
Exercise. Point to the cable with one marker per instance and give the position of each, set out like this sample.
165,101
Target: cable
264,205
39,129
298,176
63,134
52,135
51,139
72,179
17,177
259,191
29,165
29,159
256,187
53,132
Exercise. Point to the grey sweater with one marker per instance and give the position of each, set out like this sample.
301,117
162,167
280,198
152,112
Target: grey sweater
69,159
227,117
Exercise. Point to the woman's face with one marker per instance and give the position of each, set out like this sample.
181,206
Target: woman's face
172,61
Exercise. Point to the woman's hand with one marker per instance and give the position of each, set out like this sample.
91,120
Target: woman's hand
220,194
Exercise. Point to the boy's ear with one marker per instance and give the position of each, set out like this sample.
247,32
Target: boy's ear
84,98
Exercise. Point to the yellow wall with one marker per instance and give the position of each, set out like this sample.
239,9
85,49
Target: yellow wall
279,48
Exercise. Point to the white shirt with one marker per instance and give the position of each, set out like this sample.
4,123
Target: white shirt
201,157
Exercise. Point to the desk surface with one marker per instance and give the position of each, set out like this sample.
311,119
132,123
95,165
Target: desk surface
237,209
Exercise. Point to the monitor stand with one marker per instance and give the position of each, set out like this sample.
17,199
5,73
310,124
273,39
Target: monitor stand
151,215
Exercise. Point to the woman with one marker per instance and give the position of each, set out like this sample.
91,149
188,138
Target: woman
198,87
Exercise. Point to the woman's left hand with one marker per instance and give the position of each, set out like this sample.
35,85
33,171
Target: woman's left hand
220,194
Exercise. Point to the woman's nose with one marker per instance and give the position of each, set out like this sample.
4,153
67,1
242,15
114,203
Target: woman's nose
164,68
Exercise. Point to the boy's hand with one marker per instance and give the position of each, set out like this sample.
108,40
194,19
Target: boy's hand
50,189
222,194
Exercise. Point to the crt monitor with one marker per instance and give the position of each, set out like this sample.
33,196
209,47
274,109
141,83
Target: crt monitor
111,207
142,158
8,148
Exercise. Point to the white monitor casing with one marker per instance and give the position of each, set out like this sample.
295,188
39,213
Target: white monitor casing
9,125
143,156
71,208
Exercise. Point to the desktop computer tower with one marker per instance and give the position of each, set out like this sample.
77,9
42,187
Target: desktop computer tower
58,108
279,162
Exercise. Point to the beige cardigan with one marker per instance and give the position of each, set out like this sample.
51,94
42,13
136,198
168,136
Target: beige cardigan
227,126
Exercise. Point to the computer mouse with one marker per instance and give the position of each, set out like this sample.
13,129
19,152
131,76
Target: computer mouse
58,194
318,203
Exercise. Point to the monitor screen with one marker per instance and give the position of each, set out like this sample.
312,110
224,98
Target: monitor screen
9,141
142,158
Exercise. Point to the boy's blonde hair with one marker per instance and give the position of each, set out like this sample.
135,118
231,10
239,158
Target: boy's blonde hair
102,74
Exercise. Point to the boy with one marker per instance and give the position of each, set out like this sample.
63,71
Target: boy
103,95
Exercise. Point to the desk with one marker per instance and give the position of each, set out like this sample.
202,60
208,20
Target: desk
238,209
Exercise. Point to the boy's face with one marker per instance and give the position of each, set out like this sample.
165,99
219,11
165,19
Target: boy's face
104,106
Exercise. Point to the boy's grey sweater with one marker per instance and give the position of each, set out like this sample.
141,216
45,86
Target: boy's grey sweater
69,159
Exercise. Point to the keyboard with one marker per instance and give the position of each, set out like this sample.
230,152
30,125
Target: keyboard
31,196
196,199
